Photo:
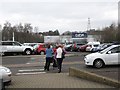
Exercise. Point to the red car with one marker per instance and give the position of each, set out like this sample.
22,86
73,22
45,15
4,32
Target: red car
83,48
42,48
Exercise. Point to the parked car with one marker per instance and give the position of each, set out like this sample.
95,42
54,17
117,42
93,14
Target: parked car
35,47
5,74
68,47
42,48
101,47
83,48
15,47
108,56
92,45
75,47
29,44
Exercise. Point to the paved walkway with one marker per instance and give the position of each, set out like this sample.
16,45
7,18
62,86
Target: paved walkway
52,80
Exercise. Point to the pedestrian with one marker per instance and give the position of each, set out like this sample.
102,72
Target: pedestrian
49,57
59,57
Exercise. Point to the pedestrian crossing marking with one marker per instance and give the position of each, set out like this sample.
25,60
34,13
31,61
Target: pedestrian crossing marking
30,73
28,70
27,63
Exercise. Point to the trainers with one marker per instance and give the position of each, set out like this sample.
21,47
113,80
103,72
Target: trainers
59,71
44,69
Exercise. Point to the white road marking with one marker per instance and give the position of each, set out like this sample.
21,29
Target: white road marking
28,70
27,63
30,73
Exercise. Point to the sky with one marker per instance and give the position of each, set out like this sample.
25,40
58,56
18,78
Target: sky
63,15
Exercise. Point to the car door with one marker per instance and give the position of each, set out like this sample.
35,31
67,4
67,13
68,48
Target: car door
112,56
17,47
7,46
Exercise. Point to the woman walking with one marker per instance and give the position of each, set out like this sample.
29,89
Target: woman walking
49,55
59,57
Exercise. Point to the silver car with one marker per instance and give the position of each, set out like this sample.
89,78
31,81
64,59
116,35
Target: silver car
5,74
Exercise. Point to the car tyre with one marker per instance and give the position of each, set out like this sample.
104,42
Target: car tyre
98,63
28,51
42,53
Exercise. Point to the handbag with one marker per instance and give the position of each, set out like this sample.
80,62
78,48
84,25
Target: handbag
63,54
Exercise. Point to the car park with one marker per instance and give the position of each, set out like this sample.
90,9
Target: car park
10,47
108,56
5,74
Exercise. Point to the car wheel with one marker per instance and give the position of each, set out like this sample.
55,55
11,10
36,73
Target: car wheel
42,53
98,63
71,50
28,52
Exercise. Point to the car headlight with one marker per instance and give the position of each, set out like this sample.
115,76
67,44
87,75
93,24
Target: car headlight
6,70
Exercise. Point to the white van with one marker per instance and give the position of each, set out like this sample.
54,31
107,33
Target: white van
92,45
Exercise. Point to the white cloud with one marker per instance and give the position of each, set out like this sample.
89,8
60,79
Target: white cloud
111,15
59,1
62,16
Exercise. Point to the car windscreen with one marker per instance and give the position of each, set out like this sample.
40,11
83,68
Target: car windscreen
96,45
108,48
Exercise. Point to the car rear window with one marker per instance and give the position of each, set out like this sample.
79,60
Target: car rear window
96,45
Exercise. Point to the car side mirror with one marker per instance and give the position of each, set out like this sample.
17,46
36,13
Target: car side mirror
109,52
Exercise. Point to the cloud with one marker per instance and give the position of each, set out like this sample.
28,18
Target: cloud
59,1
60,15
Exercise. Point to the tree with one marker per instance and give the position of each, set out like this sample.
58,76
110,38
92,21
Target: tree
22,33
20,28
6,32
56,32
109,34
67,33
36,30
28,28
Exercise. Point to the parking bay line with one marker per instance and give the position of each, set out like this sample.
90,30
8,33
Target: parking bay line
30,73
28,70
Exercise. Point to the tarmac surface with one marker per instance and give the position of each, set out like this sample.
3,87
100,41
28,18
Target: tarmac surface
52,79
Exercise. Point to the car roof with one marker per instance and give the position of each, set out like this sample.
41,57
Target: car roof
89,43
110,47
